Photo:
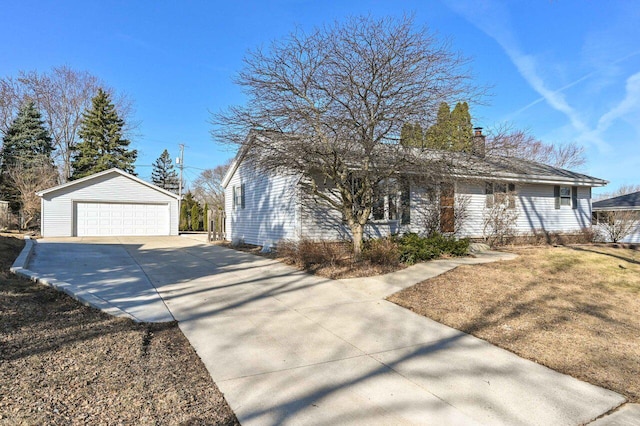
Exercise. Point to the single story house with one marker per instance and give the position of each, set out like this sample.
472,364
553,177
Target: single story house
264,208
109,203
625,209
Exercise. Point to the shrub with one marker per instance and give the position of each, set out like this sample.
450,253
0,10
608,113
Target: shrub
307,253
414,248
381,251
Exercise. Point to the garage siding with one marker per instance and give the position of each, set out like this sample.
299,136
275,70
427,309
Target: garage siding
58,206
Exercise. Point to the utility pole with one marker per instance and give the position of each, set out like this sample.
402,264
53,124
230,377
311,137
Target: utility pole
180,162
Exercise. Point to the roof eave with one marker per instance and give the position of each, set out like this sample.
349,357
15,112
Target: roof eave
104,173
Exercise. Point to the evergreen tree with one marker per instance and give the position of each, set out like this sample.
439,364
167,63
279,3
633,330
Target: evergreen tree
163,174
27,143
184,216
103,145
453,130
195,218
461,128
412,135
438,136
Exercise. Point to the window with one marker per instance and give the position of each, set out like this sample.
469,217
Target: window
238,196
566,196
392,200
501,194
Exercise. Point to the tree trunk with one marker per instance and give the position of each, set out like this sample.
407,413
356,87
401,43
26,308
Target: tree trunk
357,231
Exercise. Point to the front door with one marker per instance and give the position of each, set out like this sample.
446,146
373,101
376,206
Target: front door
447,213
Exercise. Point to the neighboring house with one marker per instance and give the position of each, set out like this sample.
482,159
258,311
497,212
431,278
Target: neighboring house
618,215
263,209
109,203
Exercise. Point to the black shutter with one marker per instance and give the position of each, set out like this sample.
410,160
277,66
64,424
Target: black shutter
574,197
242,196
556,194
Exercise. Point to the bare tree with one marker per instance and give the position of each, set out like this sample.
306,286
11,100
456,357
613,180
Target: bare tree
333,103
500,219
621,190
62,95
615,225
208,186
506,141
38,175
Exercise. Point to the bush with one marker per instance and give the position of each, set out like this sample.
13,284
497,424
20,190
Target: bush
308,253
414,248
381,251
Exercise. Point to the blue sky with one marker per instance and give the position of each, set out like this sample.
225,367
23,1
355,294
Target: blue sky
564,70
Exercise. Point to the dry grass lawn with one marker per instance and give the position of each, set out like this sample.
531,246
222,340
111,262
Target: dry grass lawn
573,309
65,363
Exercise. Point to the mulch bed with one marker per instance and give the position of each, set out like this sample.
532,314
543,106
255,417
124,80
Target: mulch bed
65,363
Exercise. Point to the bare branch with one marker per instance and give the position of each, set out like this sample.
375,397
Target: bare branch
38,175
329,105
506,141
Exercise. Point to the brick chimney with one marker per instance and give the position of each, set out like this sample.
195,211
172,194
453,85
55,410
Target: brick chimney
478,143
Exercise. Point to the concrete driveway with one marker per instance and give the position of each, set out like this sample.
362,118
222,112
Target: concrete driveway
289,348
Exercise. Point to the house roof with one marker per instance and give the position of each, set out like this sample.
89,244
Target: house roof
104,173
519,170
622,202
467,166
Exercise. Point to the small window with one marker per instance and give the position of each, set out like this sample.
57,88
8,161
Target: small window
565,195
238,196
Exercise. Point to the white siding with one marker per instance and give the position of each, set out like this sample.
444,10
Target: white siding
321,222
270,210
275,210
58,206
634,236
535,209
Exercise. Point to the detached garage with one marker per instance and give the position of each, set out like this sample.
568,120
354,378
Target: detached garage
109,203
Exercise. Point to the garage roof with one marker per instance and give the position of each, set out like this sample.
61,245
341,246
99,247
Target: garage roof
100,174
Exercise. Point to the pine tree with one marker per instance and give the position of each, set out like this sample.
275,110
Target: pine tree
184,216
412,135
163,174
195,218
26,144
438,136
103,145
461,128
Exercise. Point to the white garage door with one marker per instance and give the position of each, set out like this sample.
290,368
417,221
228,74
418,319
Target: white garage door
97,219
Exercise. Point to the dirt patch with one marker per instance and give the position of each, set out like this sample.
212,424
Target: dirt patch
573,309
65,363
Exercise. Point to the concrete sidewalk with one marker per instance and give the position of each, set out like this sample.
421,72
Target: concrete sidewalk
289,348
